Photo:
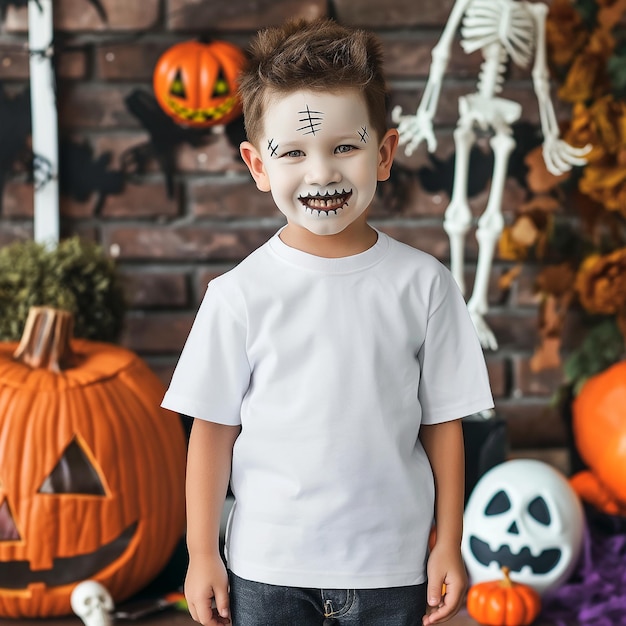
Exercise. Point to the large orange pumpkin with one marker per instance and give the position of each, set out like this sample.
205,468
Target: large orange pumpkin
503,602
599,426
91,469
196,83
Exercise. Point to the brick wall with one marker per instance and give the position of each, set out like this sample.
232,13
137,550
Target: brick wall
169,247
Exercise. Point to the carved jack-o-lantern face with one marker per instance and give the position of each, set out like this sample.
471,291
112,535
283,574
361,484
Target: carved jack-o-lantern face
91,479
523,515
196,83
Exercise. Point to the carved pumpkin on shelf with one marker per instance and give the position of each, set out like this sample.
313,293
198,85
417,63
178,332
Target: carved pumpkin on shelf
91,469
503,602
195,83
599,427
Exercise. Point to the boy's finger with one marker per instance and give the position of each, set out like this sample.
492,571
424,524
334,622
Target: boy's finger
222,603
435,592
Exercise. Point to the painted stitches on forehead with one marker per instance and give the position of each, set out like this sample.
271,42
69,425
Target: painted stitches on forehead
363,134
312,121
272,147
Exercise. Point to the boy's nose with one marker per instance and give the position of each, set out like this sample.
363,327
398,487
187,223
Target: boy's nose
321,172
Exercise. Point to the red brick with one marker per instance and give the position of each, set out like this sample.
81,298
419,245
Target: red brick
155,288
200,242
199,15
225,199
128,61
216,155
497,368
529,383
18,200
71,64
205,276
558,458
513,329
163,367
94,106
75,209
431,239
15,231
148,199
117,146
14,62
156,334
400,13
80,15
533,424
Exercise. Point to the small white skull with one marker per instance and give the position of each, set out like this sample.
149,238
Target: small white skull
92,603
523,514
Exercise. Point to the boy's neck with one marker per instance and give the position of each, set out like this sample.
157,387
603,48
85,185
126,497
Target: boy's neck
356,238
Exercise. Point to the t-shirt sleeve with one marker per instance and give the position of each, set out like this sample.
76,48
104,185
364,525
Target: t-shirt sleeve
213,373
454,380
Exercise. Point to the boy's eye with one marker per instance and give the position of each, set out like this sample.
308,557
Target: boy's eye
294,154
343,149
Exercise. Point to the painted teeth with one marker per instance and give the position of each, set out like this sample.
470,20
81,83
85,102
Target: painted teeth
319,203
326,204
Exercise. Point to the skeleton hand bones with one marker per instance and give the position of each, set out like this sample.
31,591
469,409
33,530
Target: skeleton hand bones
560,157
414,129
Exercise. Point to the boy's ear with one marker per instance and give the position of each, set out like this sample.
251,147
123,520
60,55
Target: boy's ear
252,159
386,152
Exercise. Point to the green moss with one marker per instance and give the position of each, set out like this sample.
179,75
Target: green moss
75,276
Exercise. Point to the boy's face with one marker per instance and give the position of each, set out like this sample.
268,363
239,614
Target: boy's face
320,158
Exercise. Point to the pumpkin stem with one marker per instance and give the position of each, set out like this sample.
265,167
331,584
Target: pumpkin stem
506,582
46,339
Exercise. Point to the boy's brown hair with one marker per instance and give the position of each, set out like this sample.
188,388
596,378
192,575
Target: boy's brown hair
318,55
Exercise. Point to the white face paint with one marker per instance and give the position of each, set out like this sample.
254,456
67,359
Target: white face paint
320,159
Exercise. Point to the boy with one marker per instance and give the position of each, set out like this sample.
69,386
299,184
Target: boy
329,369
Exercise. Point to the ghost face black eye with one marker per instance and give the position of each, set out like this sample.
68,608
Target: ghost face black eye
539,511
498,504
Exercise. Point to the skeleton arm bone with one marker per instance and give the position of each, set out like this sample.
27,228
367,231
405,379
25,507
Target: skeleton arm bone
558,155
414,129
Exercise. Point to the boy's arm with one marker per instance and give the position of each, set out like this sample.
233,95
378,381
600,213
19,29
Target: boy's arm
209,459
443,444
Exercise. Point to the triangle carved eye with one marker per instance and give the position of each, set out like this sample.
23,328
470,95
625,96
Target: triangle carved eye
8,529
177,88
73,473
220,88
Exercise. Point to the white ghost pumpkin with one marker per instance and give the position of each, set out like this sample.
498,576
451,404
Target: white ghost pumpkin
524,515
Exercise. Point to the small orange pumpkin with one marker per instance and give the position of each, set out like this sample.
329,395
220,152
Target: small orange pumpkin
591,490
91,469
599,426
503,602
195,83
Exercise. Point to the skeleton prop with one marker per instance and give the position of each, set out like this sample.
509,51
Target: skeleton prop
92,603
501,30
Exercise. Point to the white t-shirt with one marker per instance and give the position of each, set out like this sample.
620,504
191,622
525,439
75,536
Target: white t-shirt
330,366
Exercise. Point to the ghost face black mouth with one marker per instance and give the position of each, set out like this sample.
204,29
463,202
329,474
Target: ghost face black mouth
325,204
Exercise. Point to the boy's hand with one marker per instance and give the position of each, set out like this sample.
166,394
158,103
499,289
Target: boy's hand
206,591
445,567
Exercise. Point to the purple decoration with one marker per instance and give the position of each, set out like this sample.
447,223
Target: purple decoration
595,594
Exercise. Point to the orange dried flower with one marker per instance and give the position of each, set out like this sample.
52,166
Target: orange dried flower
587,77
565,32
601,283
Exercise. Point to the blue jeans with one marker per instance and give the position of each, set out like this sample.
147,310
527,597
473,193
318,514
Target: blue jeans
259,604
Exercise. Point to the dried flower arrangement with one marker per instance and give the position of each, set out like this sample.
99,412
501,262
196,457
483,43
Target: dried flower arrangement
574,225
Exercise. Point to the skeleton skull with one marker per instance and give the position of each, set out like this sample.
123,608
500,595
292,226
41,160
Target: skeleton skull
524,515
92,603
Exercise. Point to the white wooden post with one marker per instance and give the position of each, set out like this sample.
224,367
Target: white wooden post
44,121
